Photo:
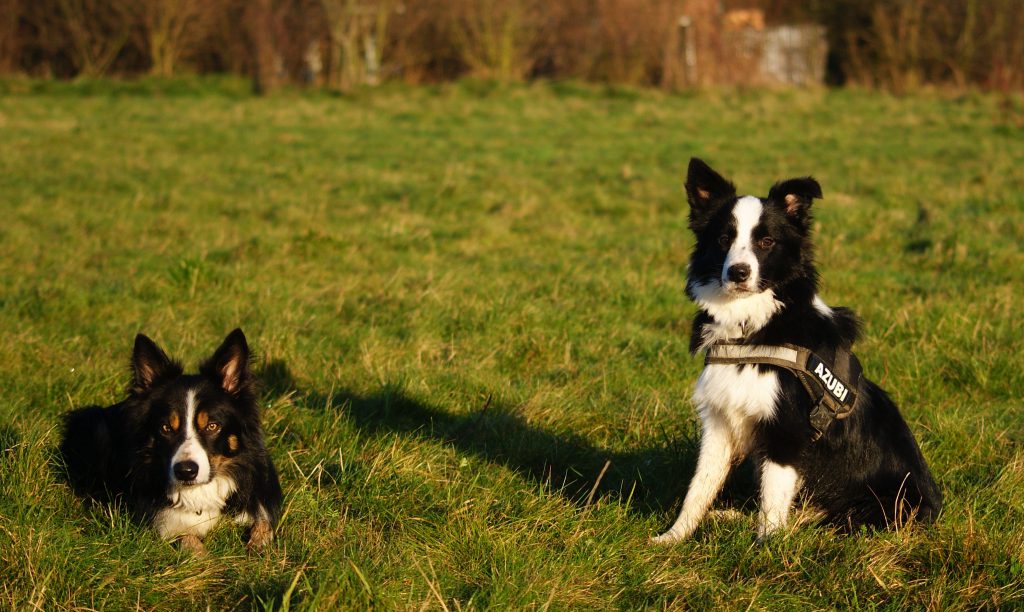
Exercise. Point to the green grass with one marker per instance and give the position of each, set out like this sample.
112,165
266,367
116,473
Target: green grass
466,300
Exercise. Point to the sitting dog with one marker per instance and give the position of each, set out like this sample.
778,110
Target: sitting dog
780,383
182,450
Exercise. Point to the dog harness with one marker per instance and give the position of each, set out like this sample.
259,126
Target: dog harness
833,387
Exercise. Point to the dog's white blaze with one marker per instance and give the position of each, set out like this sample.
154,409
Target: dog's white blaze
194,510
779,486
190,448
747,214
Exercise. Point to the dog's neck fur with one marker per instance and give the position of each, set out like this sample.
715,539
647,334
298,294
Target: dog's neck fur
733,317
729,317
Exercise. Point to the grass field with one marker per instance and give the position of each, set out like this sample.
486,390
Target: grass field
467,302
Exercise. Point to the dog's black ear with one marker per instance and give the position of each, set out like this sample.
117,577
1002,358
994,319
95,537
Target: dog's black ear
150,365
704,188
795,195
229,366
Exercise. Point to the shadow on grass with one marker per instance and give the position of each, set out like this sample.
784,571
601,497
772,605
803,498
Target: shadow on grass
653,478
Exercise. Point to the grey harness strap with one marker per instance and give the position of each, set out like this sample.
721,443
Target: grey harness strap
834,388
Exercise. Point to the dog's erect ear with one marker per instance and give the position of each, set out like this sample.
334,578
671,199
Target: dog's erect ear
229,366
150,365
705,187
795,195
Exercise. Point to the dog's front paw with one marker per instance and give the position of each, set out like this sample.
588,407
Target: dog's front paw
260,536
669,537
766,531
193,544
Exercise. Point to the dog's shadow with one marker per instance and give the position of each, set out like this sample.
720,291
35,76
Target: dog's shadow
652,478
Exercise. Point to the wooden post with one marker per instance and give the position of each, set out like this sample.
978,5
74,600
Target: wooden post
257,20
689,50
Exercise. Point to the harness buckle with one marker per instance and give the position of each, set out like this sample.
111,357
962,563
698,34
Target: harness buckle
821,418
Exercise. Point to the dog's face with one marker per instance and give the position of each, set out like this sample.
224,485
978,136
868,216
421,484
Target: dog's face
745,245
196,424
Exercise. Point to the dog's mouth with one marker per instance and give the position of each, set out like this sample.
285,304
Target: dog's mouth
186,485
190,483
738,289
717,290
182,483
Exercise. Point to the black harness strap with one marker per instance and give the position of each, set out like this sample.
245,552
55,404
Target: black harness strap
834,388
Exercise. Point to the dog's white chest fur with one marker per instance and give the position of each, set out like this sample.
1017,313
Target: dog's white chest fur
737,395
194,510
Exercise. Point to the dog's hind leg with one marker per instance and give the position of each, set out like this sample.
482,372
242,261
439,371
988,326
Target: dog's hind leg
717,451
779,486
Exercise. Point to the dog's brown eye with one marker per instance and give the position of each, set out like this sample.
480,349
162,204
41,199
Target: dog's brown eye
767,242
165,428
724,241
212,427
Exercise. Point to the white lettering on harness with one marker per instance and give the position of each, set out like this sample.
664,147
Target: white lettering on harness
832,383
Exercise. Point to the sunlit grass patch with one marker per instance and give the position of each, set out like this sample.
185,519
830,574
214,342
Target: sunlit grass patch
468,311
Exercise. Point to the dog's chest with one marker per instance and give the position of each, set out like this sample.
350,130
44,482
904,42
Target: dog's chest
194,510
741,395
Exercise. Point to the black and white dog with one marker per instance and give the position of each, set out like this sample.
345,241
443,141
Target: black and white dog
182,450
752,276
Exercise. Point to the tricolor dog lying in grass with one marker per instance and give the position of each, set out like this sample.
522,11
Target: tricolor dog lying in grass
780,383
183,450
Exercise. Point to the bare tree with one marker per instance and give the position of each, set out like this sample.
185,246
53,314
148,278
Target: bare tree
258,22
495,38
357,38
10,41
169,30
94,31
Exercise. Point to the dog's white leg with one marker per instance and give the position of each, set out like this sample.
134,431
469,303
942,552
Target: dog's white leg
779,485
717,451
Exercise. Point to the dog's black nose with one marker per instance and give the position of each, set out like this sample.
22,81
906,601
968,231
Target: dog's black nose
186,470
738,273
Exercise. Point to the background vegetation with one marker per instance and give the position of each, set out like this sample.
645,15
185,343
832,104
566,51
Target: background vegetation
467,304
897,45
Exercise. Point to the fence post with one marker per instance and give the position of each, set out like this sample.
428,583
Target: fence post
689,50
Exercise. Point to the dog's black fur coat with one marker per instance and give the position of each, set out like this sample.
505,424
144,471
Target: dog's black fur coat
867,469
119,454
